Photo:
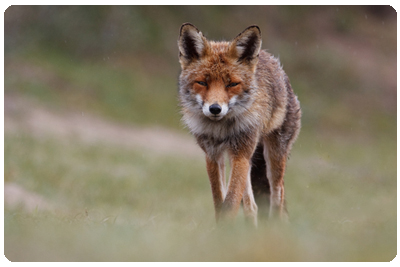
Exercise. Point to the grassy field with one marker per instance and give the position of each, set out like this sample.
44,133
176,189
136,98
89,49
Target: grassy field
82,183
112,203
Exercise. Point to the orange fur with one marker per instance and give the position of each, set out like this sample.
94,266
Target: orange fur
234,98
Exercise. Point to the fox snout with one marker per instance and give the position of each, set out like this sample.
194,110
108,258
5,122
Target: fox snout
215,111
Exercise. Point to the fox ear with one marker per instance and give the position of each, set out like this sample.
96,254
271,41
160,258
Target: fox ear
191,43
247,45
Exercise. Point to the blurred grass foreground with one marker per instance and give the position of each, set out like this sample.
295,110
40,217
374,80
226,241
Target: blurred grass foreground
97,166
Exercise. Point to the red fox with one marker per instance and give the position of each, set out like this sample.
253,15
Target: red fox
237,100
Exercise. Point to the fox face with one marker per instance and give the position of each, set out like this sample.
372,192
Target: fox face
217,78
217,97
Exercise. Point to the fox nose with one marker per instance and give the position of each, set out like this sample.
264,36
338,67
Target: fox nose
215,109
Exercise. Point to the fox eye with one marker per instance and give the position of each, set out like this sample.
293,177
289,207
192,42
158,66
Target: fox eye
232,85
202,83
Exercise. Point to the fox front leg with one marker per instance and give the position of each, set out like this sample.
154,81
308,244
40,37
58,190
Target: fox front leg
216,174
237,183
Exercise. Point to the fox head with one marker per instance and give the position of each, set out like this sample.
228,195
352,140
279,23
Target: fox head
217,77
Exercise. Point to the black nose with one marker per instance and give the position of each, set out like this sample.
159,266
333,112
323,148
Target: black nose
215,109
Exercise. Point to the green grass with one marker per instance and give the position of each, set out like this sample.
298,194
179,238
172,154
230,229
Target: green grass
126,94
113,203
117,204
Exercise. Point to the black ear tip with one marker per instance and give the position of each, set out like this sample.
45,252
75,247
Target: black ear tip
187,23
186,26
254,28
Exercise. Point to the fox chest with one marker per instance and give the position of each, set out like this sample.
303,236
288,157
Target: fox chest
238,143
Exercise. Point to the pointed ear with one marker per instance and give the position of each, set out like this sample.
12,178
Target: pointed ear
192,44
247,45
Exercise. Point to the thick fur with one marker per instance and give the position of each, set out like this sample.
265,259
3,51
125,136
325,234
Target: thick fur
236,99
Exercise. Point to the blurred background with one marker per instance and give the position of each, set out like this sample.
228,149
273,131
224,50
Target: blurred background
98,166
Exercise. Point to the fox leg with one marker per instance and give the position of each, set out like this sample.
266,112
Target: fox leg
249,204
216,174
275,155
240,169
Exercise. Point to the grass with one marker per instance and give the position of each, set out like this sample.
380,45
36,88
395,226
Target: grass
117,204
113,203
106,89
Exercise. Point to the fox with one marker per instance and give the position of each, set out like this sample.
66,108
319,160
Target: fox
237,101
